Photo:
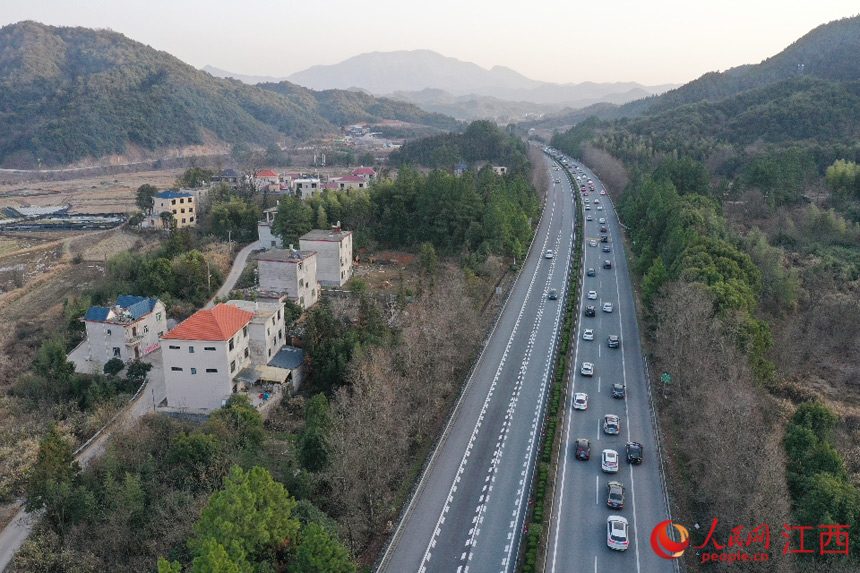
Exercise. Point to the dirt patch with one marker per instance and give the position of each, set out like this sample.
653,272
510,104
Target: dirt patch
382,271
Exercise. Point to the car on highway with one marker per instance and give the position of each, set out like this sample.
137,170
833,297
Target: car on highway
606,248
607,307
583,449
582,188
590,272
617,536
609,461
580,401
588,334
548,255
600,207
587,201
588,207
604,238
557,181
615,494
592,243
611,424
618,390
602,220
552,294
592,295
589,218
587,369
589,310
613,341
607,264
603,191
596,201
584,193
603,229
634,453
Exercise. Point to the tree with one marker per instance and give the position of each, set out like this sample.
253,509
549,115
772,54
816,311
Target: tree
275,155
238,423
197,461
429,260
322,219
52,363
114,366
313,443
137,371
294,219
136,219
250,518
167,220
156,278
194,177
319,553
366,159
143,200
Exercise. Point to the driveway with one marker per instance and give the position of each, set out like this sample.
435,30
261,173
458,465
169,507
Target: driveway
235,272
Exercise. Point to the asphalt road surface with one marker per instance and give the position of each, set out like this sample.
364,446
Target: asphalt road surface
468,512
577,540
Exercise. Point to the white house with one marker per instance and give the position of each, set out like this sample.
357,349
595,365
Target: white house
334,254
267,328
127,330
204,354
306,187
291,272
269,240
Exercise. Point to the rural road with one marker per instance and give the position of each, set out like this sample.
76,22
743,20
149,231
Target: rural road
235,273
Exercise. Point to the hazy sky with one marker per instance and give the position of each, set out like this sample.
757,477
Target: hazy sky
648,41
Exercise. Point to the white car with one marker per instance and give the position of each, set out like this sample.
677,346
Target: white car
600,207
587,369
592,243
596,201
611,424
617,533
607,307
548,255
588,334
609,461
588,218
592,295
580,401
601,220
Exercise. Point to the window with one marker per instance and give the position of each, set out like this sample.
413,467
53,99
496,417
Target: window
182,210
176,368
194,371
190,350
270,353
173,347
245,331
116,351
268,331
210,348
280,335
174,211
145,329
157,317
211,370
246,352
173,202
191,220
182,201
231,344
160,333
279,317
273,243
233,366
191,209
183,219
301,283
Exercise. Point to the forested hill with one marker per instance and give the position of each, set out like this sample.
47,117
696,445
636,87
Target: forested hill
829,52
71,93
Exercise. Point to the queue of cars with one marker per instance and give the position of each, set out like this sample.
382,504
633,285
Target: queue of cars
617,526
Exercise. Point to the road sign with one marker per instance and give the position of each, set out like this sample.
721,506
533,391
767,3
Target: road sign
665,378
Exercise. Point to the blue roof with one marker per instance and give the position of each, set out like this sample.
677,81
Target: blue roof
172,195
137,306
97,313
288,357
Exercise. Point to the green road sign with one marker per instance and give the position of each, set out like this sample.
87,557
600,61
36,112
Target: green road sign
665,378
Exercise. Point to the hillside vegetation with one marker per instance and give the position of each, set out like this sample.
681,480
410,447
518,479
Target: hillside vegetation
73,93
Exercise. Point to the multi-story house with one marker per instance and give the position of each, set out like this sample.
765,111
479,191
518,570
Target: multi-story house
334,254
127,330
179,203
267,328
306,187
269,240
290,271
204,354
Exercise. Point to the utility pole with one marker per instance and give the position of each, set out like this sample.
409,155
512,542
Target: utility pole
208,279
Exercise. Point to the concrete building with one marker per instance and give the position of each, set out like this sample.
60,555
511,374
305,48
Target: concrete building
203,356
306,187
268,240
180,204
334,254
291,272
229,177
350,182
128,330
267,329
365,172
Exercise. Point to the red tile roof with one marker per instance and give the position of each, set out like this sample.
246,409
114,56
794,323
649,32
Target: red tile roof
267,173
354,178
363,171
220,323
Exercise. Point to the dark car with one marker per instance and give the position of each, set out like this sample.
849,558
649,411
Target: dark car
583,449
615,494
589,310
618,390
606,248
634,453
604,230
590,272
607,264
604,239
613,341
553,294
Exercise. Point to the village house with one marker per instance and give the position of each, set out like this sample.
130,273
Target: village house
306,187
365,173
229,177
203,356
290,272
268,240
267,328
128,330
350,182
179,203
334,254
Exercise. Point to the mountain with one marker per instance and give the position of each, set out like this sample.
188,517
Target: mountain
417,70
252,80
67,94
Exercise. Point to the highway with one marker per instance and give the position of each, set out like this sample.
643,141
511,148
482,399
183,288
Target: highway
577,536
468,511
